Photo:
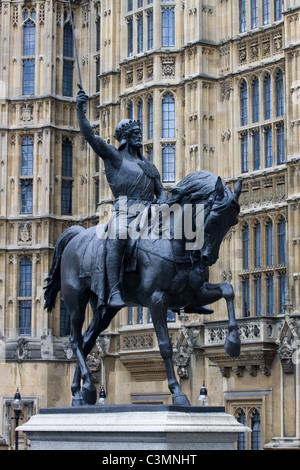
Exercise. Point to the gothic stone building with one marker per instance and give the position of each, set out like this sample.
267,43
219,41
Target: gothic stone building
216,87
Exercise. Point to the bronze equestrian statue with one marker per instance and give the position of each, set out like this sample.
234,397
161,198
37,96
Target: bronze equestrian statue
157,273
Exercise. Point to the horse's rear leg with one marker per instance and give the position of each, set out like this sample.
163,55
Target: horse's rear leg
76,302
158,307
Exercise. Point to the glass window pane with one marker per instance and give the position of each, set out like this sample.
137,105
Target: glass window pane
26,197
168,27
168,163
29,38
168,116
68,78
66,197
28,77
27,157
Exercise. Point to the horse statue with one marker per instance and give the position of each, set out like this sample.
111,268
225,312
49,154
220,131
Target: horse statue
165,275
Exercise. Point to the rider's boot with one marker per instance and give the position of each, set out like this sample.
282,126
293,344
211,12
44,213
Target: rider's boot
114,258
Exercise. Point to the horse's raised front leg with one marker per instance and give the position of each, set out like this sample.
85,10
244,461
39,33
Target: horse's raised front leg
211,293
158,307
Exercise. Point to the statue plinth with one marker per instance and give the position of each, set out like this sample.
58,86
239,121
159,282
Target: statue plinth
133,427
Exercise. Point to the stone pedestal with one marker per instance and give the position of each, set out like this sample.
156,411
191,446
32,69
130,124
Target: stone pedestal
133,427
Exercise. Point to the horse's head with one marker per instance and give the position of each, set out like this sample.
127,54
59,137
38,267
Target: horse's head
221,213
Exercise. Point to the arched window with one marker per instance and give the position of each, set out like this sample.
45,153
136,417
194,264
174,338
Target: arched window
241,443
255,434
68,53
255,100
267,97
28,53
25,297
244,103
279,94
168,27
168,116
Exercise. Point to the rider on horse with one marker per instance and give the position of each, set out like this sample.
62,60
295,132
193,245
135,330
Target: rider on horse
128,174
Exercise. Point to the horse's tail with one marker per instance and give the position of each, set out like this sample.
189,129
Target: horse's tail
53,285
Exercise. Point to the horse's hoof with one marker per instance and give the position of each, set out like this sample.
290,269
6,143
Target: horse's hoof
180,400
78,399
89,395
232,349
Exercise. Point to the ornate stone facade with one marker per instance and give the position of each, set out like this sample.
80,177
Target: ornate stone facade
190,59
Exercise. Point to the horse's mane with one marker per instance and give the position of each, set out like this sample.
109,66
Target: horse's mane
198,186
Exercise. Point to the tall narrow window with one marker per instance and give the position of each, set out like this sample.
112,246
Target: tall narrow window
25,297
97,74
244,152
129,316
140,315
129,5
168,116
130,111
267,97
246,297
268,147
256,150
257,246
254,14
140,110
242,16
168,27
255,434
244,103
279,94
269,243
168,163
281,238
255,100
245,242
241,443
270,295
28,53
257,296
282,292
68,54
140,35
67,178
27,157
98,32
150,29
26,202
150,118
130,37
277,10
280,144
266,11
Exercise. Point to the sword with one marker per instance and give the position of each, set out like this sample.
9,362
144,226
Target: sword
76,54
